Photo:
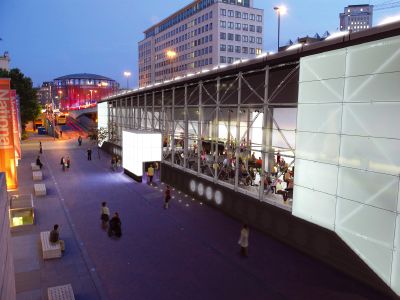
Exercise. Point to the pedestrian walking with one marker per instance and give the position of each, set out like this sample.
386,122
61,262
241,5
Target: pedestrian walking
113,163
63,163
105,215
40,147
89,154
150,173
60,133
115,226
80,141
68,162
167,197
244,240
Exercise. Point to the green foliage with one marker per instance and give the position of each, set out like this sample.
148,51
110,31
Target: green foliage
29,107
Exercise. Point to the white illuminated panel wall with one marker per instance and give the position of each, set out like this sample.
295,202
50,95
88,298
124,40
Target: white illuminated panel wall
102,115
139,147
348,150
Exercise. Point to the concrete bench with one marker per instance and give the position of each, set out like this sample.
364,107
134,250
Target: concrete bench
61,292
35,167
40,189
49,250
37,175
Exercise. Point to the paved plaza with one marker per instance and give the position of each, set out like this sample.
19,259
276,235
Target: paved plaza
189,251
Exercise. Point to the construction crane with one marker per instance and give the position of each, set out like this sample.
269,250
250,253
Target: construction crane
386,5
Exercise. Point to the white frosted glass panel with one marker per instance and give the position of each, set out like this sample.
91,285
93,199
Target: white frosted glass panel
319,118
375,57
317,176
323,91
313,206
370,223
373,88
376,256
379,155
317,146
323,66
395,280
397,235
375,189
372,119
398,201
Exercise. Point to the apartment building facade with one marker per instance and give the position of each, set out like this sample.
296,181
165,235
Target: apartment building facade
356,17
202,35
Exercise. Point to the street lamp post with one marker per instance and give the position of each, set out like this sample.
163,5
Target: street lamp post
281,10
127,74
171,54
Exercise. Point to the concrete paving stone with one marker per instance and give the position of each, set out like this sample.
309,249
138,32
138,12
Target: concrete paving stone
30,295
27,281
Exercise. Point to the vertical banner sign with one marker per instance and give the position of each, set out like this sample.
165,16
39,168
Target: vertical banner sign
7,152
16,134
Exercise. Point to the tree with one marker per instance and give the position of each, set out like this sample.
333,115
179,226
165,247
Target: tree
29,107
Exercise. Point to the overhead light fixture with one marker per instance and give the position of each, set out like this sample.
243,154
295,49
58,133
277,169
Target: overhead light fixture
389,20
295,46
337,35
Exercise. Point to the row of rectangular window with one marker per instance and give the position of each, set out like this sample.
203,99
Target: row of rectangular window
240,26
182,16
240,15
237,49
184,37
240,38
185,26
229,60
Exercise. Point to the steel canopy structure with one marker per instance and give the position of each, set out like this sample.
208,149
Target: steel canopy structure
300,104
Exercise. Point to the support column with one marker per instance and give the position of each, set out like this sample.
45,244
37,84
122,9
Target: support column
216,130
173,126
238,131
200,129
152,111
267,134
186,129
145,111
162,126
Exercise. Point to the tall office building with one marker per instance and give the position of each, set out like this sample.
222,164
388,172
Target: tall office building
200,36
356,17
44,93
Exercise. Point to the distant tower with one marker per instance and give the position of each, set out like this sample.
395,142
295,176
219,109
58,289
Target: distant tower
5,61
356,17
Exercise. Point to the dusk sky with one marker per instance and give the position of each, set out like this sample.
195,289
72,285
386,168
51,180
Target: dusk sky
47,38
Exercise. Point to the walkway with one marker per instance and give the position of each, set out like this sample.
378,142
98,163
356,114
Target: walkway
189,251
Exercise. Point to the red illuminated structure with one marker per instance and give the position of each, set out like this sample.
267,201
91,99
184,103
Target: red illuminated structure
79,91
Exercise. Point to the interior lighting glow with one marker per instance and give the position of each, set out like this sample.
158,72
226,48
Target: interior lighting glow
139,147
389,20
189,74
337,34
205,71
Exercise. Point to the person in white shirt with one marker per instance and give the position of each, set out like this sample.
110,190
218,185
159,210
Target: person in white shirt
105,215
244,240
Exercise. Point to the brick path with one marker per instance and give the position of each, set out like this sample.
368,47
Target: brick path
189,251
